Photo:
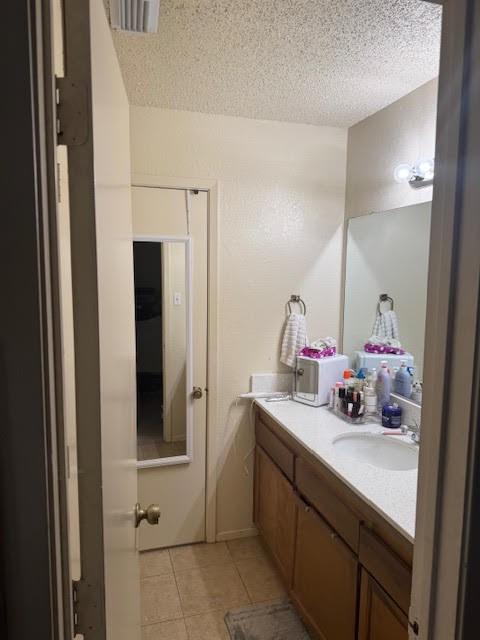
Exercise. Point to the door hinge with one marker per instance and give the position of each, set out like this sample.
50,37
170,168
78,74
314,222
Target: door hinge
88,614
71,118
75,608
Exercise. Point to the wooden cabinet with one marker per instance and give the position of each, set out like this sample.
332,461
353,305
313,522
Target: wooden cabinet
380,617
325,578
275,512
323,537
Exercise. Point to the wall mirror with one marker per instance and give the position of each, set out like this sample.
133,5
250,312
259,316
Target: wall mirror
162,278
386,289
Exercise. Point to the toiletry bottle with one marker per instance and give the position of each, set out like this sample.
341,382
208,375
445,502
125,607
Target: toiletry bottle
383,386
392,416
372,377
417,393
370,398
403,381
336,402
331,397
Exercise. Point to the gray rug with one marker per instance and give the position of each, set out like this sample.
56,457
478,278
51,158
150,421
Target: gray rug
266,622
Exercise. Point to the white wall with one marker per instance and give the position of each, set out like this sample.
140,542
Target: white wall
397,265
281,212
401,133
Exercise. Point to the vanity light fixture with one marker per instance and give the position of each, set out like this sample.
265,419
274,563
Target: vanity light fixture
418,175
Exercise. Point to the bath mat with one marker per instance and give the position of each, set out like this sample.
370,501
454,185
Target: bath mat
266,622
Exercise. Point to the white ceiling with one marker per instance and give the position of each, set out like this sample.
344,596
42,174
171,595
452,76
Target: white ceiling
324,62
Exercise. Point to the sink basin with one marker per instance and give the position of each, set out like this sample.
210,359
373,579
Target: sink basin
385,452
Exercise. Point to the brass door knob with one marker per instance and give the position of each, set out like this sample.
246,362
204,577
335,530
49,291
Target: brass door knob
151,514
197,393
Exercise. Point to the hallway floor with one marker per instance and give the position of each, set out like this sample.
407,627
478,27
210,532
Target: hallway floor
186,591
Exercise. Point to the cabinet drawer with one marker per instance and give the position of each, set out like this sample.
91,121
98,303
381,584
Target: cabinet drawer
316,491
275,448
386,567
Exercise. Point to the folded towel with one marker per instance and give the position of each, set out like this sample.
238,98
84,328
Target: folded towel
294,338
324,343
374,345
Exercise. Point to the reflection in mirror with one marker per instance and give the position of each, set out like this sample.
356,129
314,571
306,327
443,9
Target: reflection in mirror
161,321
387,253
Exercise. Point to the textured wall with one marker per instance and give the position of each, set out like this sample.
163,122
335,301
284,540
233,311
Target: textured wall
402,132
281,212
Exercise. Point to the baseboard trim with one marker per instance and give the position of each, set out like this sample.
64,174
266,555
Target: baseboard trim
238,533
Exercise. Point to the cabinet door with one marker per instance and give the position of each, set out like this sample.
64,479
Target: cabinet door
275,511
380,618
325,578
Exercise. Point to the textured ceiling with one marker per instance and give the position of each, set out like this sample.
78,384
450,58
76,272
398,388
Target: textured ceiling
326,62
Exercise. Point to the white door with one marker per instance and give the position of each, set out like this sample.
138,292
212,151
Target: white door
101,310
171,226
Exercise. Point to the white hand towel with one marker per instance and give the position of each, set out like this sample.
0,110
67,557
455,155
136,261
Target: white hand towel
294,338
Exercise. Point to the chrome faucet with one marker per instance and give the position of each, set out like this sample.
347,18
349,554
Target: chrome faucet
414,431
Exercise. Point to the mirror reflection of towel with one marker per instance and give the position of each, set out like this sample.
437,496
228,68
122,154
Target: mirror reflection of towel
294,338
386,326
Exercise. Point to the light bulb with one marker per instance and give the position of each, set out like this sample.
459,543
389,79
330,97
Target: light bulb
425,169
403,173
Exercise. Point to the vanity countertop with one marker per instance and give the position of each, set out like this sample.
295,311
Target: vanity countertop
392,493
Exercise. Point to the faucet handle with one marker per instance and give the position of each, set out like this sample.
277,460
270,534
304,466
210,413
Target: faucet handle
414,430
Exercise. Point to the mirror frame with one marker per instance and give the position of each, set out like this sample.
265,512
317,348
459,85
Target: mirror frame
187,457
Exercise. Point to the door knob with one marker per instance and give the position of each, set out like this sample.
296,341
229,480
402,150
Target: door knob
197,393
151,514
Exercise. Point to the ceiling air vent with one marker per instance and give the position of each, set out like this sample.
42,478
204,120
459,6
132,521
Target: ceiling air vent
140,16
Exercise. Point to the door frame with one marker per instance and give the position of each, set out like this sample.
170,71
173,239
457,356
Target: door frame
444,550
34,544
211,187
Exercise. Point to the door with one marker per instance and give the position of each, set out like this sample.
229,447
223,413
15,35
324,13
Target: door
275,512
101,310
170,228
380,617
325,578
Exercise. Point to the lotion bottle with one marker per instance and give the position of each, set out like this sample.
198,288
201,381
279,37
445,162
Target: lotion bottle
403,381
383,386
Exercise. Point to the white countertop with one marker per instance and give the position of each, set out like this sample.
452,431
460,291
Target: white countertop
392,493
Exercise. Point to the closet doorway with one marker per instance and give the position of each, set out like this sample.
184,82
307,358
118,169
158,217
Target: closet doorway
170,248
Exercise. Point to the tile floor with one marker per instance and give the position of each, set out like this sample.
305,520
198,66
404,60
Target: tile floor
186,591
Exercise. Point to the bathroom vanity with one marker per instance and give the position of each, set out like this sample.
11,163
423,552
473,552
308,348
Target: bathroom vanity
340,531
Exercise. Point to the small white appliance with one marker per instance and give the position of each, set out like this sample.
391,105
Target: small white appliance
314,378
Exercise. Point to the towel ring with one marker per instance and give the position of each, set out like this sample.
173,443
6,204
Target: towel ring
384,297
299,301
